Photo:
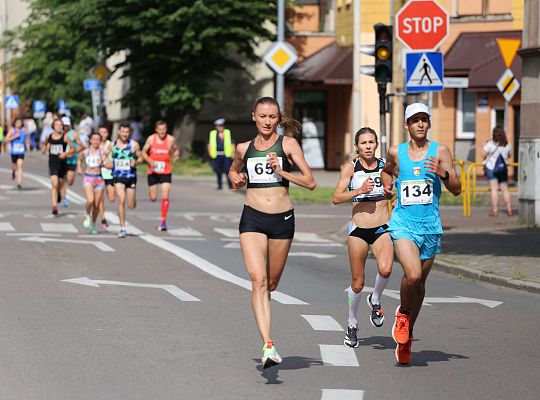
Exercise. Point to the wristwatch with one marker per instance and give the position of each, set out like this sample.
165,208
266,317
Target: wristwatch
446,176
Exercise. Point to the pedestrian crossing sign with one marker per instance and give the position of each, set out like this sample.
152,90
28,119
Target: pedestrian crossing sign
12,102
425,72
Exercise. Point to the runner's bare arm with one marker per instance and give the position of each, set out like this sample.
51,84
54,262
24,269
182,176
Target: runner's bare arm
235,175
146,149
387,173
10,136
342,196
442,164
79,142
136,149
294,151
175,149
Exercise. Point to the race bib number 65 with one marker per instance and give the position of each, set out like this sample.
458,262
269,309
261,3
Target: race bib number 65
417,192
260,171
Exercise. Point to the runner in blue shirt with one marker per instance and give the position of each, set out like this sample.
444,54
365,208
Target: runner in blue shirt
19,144
419,165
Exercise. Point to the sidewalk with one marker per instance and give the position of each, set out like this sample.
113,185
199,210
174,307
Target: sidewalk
493,249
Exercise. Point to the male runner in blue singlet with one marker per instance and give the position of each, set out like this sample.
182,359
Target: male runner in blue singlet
415,225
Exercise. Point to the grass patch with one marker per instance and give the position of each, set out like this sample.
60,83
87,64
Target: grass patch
321,195
189,166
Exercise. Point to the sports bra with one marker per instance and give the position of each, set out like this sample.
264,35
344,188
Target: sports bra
359,177
260,174
93,161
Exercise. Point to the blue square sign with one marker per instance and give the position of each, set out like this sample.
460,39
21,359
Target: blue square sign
425,72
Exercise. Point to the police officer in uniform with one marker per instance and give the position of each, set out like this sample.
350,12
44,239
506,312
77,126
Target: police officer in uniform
221,149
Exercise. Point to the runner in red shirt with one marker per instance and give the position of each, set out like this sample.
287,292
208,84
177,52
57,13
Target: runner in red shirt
157,153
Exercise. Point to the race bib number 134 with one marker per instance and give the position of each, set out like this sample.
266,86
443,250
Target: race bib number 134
417,192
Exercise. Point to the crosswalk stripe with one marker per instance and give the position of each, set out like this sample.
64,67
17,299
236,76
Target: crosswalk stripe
231,233
342,394
57,227
338,356
323,323
185,231
310,237
6,227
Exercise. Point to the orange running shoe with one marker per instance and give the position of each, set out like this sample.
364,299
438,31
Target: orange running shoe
400,330
403,352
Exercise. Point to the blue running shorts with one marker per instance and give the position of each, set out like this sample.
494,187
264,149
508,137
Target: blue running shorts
428,244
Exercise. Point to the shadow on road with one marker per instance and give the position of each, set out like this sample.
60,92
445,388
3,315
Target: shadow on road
289,363
379,342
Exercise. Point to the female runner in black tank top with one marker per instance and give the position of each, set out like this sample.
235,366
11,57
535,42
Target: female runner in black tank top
56,146
267,223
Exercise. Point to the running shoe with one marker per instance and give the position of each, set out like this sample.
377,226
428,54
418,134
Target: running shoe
403,352
270,356
58,198
55,210
377,316
351,340
400,330
19,187
122,234
12,175
87,222
104,223
162,226
66,202
94,229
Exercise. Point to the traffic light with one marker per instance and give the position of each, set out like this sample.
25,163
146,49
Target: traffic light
383,53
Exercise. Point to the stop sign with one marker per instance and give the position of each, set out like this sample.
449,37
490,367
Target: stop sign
422,24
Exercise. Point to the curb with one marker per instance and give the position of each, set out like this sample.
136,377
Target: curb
472,273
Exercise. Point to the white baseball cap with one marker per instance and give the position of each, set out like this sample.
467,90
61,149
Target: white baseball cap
66,121
416,108
219,121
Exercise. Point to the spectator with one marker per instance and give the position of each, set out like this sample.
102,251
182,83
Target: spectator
137,129
86,126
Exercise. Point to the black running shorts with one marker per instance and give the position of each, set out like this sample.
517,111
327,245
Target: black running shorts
274,226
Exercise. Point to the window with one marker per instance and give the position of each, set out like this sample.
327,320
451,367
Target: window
466,115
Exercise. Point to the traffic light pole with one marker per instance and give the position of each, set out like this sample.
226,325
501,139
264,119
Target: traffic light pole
382,114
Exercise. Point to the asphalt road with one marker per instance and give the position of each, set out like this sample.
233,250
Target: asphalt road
166,315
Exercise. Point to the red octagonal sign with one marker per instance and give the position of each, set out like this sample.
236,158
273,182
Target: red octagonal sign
422,24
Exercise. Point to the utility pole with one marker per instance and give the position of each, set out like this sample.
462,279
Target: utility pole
356,94
280,78
529,141
5,84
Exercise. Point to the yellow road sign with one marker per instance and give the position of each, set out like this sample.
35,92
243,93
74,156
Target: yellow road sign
280,57
100,72
508,48
508,85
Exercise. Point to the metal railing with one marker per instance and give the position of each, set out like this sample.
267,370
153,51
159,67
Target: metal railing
471,188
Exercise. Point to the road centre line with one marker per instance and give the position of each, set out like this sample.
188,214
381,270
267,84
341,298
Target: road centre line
342,394
338,355
202,264
35,234
323,323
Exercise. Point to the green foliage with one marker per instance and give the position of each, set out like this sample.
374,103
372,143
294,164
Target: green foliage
174,48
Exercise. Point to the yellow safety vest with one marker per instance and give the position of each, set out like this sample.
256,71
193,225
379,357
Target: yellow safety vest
227,143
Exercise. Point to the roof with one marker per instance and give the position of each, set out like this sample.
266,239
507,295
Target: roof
477,55
331,65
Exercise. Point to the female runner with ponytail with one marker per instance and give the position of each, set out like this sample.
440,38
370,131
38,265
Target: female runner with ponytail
267,222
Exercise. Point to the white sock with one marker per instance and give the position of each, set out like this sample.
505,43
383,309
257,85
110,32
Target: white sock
353,302
380,284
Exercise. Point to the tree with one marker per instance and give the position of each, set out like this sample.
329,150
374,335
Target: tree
50,60
174,49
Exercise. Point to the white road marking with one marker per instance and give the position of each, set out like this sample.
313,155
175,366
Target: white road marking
57,227
338,356
230,233
6,227
38,191
174,290
34,234
100,245
310,237
342,394
103,236
394,294
235,244
323,323
6,187
316,255
213,269
72,196
186,231
193,239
